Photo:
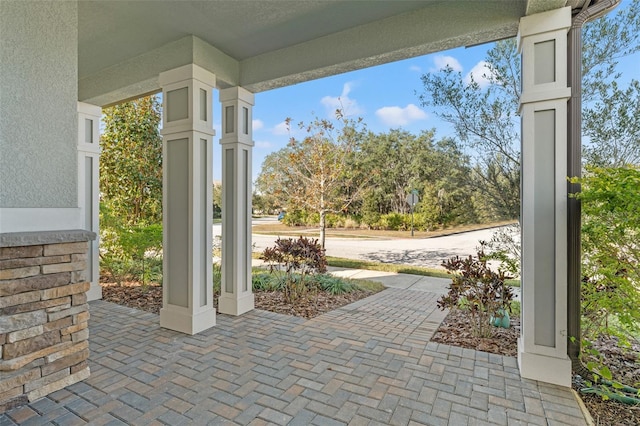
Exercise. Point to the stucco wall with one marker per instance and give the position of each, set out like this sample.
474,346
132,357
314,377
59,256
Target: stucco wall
38,104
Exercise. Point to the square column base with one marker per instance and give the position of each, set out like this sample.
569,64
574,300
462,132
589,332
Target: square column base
544,368
184,322
228,304
95,292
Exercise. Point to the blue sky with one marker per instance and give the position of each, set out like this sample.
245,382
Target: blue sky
384,96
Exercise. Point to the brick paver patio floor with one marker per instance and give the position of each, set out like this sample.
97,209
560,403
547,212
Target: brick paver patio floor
368,363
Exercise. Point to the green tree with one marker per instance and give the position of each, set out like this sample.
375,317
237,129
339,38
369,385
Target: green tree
403,162
266,204
611,116
131,191
131,161
317,173
612,126
399,158
485,118
217,199
485,121
604,42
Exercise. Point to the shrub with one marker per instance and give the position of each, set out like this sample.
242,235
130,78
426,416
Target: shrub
334,285
311,219
392,221
371,220
504,247
265,281
130,252
351,223
294,218
611,254
292,261
482,290
338,221
216,252
144,245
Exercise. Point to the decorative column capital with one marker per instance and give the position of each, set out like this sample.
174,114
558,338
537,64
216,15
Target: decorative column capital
542,41
552,20
237,116
237,93
186,100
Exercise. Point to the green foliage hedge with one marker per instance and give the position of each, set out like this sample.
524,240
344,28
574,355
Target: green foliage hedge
422,221
611,251
129,252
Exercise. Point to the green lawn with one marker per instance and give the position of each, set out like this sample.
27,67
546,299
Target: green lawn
284,230
340,262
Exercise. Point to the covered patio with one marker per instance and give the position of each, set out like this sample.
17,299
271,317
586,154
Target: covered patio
367,363
63,61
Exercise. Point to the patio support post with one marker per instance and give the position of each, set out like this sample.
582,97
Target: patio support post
88,189
236,295
542,347
187,131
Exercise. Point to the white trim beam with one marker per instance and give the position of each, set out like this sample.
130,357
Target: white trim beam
138,76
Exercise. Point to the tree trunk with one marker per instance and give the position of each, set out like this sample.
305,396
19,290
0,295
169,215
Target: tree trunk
323,225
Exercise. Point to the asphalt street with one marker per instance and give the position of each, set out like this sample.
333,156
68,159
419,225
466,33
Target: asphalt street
428,252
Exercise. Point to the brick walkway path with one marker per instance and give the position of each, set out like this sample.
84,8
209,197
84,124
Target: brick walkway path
369,363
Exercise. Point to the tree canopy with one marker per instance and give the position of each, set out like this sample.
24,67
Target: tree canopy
484,116
131,161
319,172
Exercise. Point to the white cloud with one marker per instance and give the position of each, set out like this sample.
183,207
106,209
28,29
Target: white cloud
441,62
343,102
415,68
396,116
481,74
264,144
257,124
281,129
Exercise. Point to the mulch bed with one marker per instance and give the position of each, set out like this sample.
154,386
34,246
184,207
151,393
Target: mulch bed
134,295
454,330
625,364
149,299
306,307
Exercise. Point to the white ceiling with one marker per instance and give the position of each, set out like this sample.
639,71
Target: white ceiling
124,45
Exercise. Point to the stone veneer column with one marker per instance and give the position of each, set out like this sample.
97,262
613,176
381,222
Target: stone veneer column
236,295
542,348
187,131
44,314
88,188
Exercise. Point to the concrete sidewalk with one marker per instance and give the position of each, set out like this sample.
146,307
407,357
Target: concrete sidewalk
435,285
395,280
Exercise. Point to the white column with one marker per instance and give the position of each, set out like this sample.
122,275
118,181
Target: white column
542,348
236,295
187,131
88,188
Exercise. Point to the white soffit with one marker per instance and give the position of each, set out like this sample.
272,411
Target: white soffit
124,45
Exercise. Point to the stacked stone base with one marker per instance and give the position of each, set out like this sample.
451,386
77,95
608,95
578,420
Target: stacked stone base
44,314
